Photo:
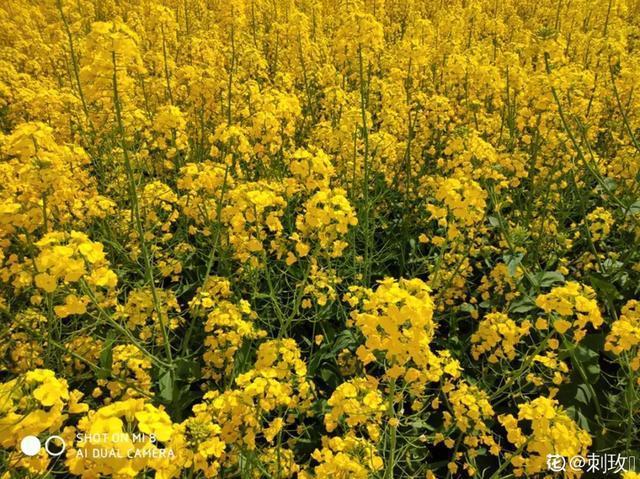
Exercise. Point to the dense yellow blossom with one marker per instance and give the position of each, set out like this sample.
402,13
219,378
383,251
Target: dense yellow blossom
359,403
276,384
318,238
67,258
35,403
552,432
327,217
568,301
253,217
625,333
227,326
397,321
497,335
346,457
112,428
139,314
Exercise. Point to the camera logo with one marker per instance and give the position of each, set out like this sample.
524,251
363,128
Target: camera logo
31,445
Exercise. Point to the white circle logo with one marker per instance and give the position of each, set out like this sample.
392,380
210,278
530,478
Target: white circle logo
54,453
30,445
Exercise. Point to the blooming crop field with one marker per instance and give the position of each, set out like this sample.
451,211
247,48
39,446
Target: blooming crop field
338,239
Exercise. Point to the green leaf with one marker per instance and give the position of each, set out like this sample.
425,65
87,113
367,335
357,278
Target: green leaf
106,357
513,261
421,424
187,369
633,209
605,289
344,340
549,278
583,394
522,305
327,375
165,385
578,417
467,308
588,359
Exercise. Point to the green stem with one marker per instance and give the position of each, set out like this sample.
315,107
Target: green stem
136,213
365,180
388,473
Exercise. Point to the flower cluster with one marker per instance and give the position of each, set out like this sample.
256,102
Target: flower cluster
139,313
130,370
346,457
319,238
35,403
112,428
358,403
65,259
625,333
228,325
497,336
277,384
552,432
253,219
570,306
327,217
470,412
397,322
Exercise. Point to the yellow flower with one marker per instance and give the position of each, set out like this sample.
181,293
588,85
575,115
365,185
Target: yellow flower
625,333
553,432
565,302
327,218
348,456
154,421
356,403
72,305
498,335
